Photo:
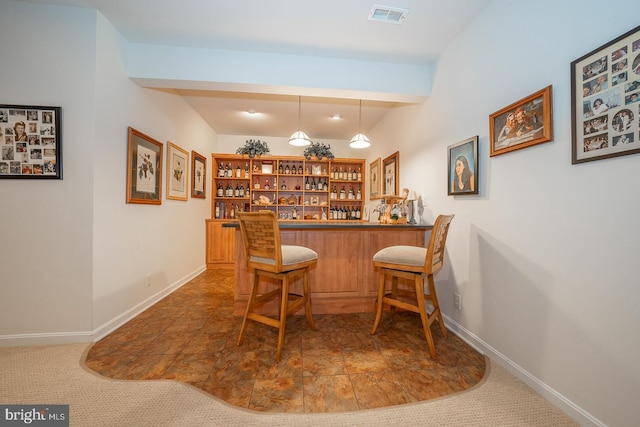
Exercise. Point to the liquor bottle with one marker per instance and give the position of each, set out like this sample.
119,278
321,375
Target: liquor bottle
238,172
229,190
241,190
343,194
237,191
228,172
280,168
300,169
220,170
359,175
287,170
247,192
307,185
246,170
283,186
217,214
257,184
359,195
350,175
313,185
351,195
220,190
266,184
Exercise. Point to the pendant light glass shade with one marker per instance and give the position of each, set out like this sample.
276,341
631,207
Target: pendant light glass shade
299,138
360,140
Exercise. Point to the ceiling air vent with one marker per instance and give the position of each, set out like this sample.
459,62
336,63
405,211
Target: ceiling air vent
390,15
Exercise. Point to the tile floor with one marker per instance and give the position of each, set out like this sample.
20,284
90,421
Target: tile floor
190,336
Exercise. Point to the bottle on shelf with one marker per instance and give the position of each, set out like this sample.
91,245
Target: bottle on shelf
220,192
266,184
257,184
229,190
300,169
307,185
228,172
238,172
246,170
221,172
236,193
343,193
241,190
280,168
287,170
359,175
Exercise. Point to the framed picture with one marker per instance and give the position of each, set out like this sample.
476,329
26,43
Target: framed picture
267,167
391,175
198,175
522,124
144,169
374,179
31,142
178,172
605,95
462,159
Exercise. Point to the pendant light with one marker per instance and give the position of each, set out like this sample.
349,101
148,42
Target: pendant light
360,140
299,138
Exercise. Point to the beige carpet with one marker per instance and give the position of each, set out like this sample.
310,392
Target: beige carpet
55,375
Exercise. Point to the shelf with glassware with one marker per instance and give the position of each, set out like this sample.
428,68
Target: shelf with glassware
293,187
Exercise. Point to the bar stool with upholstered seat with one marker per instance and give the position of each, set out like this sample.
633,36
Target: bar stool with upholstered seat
413,263
268,257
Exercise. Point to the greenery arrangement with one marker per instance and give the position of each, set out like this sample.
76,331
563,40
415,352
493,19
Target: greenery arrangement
253,148
319,150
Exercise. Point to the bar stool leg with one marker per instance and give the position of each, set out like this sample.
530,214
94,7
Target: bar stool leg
381,281
252,296
283,315
419,285
306,289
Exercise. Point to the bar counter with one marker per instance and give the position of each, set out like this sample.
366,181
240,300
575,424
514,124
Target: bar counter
344,280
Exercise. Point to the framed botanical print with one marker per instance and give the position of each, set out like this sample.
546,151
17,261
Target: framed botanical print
374,179
463,167
30,142
144,169
198,175
178,172
391,175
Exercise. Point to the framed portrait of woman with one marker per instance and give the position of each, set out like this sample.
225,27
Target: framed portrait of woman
463,167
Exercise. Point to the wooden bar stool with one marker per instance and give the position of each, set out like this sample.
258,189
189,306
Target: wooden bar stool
413,263
269,258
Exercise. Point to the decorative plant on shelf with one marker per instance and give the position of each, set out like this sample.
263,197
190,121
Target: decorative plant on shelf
253,148
319,150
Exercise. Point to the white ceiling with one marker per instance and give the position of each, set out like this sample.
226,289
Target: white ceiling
319,28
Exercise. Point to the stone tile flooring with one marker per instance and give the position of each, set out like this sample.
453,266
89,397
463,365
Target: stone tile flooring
190,336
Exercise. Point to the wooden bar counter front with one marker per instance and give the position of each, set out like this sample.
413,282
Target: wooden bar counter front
344,280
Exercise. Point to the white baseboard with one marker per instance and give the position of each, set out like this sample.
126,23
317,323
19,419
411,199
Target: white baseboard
561,402
53,338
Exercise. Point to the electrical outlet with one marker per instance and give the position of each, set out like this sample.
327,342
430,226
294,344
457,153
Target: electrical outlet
457,301
148,282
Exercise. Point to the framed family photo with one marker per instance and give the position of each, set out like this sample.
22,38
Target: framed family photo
391,175
462,159
144,169
178,172
198,175
374,179
522,124
30,142
605,100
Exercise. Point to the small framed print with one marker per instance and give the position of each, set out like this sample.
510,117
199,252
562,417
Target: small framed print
605,100
374,179
30,142
463,167
522,124
144,169
198,175
391,175
178,172
267,167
